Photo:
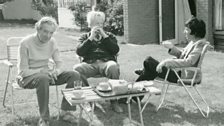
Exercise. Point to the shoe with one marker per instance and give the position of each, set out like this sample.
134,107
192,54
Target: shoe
68,117
139,72
115,107
43,123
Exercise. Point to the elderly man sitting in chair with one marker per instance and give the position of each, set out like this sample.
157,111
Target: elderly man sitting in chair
194,31
35,50
98,50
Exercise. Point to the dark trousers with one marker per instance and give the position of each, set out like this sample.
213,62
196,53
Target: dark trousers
150,73
42,82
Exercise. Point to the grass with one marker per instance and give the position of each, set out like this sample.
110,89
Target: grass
178,112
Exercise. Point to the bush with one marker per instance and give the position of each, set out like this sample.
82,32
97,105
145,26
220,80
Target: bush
114,15
46,7
79,11
115,20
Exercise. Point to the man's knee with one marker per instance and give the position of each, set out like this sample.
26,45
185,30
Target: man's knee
79,68
112,66
74,74
42,79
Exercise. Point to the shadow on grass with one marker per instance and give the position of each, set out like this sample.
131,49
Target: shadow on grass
177,115
169,115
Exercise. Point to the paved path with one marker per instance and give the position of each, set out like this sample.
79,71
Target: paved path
66,18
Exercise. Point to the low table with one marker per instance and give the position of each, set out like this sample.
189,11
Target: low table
91,96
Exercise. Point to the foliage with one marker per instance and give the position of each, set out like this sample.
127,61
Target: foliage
3,1
79,11
115,20
114,15
46,7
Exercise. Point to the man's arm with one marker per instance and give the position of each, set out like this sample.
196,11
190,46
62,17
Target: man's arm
191,60
110,44
175,51
84,45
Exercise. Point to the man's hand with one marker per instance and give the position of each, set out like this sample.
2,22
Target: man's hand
102,32
93,33
168,44
160,66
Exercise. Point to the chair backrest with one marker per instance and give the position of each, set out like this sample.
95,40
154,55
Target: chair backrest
204,50
12,48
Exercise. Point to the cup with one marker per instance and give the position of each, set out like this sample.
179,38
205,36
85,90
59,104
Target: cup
77,84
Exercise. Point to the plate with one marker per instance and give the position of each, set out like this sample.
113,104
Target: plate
103,90
78,98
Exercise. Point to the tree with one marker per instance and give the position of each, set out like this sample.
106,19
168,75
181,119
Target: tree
3,1
46,7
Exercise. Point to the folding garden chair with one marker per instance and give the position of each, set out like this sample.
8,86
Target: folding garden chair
186,83
12,51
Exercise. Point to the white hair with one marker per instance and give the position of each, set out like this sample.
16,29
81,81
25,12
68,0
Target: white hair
48,20
93,17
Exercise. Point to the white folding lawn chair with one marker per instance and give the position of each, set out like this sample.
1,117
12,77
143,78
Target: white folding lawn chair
186,83
10,62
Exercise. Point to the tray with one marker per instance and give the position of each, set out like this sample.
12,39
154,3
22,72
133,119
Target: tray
111,93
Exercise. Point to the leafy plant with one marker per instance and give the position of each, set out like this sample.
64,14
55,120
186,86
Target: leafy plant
3,1
114,15
46,7
79,12
115,20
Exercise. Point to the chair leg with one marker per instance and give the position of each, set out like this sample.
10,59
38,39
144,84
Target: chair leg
58,108
203,114
163,95
13,104
6,87
208,109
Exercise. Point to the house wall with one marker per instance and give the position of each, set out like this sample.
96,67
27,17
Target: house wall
20,9
141,23
204,12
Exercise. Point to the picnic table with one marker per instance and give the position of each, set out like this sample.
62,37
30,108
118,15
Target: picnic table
91,96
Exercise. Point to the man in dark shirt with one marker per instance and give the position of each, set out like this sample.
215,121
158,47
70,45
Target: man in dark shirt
98,50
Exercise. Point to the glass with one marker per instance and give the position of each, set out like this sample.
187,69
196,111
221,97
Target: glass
77,84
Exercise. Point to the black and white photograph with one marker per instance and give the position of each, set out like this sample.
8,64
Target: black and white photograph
111,62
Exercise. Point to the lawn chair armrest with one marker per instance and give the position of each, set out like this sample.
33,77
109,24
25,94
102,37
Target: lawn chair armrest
186,68
8,63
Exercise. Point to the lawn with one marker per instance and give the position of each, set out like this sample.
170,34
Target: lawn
179,110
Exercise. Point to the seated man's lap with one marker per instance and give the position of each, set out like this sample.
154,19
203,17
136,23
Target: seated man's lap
97,68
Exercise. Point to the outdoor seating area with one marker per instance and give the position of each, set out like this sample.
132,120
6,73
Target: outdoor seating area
177,107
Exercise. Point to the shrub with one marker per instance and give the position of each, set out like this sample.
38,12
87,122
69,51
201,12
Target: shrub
114,15
79,11
115,20
46,7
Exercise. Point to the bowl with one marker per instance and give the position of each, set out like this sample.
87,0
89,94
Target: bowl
78,93
104,85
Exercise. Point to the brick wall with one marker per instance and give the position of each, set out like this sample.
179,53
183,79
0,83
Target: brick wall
141,21
204,12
